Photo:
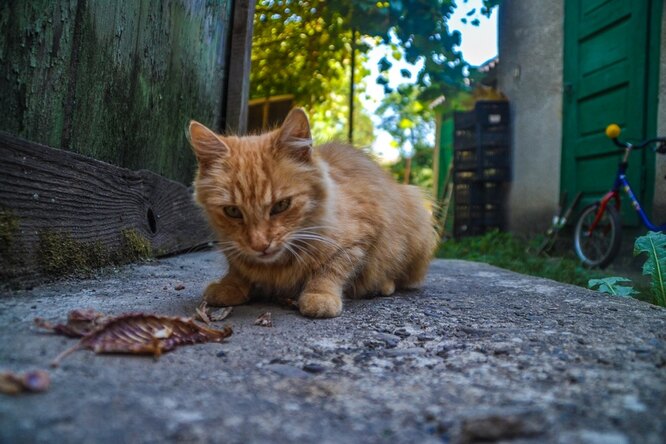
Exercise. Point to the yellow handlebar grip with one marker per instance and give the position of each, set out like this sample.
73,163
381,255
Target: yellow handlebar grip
613,131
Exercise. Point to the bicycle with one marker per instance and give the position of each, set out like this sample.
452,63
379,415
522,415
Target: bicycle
598,231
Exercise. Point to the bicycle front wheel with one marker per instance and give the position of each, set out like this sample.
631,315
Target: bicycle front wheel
599,247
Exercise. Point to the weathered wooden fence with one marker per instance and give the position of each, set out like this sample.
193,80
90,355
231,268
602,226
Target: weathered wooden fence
116,82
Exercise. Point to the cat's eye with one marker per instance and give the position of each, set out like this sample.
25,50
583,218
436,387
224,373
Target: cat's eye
233,212
281,206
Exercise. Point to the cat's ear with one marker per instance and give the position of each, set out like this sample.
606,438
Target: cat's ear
294,137
207,146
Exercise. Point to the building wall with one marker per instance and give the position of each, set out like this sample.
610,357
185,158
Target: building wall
659,207
531,42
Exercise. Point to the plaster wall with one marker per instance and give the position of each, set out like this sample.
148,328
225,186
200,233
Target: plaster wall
659,207
530,74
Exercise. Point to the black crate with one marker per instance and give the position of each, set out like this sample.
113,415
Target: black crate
485,156
468,139
485,175
496,174
478,193
491,115
469,213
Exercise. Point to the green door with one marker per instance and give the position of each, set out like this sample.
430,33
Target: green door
608,78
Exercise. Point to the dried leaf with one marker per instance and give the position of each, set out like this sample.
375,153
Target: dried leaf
139,333
33,381
202,312
264,320
207,315
220,314
79,323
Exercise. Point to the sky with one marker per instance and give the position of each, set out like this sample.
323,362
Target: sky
478,45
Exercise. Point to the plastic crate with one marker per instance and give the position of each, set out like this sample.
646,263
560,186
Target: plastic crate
469,139
485,175
469,213
491,115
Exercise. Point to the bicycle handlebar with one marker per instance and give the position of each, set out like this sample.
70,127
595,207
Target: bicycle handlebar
613,132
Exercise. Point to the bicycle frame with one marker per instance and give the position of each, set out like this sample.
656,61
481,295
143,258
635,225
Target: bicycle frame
621,182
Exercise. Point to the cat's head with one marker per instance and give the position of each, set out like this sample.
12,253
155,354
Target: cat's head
260,192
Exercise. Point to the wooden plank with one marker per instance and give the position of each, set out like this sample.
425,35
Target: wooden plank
59,201
238,83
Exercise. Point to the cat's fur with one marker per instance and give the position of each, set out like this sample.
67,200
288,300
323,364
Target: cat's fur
348,227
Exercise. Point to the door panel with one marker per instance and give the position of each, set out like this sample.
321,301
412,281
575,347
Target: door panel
604,75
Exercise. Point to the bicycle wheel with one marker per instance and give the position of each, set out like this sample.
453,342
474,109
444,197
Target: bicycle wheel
599,248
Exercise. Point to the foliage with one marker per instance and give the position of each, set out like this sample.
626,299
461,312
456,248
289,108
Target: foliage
507,251
654,245
614,285
405,117
299,46
421,168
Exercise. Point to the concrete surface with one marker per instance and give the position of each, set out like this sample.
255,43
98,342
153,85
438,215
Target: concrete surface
478,354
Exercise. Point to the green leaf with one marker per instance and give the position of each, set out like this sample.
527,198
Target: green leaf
405,73
654,245
611,285
384,64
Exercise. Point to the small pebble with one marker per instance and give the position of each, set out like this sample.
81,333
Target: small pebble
221,354
313,368
179,287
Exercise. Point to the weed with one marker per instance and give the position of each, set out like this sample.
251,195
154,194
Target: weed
507,251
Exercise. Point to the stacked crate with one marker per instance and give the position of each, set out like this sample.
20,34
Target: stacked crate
481,168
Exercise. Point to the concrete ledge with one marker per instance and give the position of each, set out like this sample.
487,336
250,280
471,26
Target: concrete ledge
478,354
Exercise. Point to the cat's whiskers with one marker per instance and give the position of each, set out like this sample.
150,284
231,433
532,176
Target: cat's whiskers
307,237
303,250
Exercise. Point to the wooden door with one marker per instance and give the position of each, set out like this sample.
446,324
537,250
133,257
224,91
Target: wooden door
607,79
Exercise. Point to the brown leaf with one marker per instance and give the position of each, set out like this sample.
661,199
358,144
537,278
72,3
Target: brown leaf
33,381
207,315
79,323
264,320
202,312
138,333
220,314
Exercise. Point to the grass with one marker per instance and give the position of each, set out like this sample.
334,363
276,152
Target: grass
507,251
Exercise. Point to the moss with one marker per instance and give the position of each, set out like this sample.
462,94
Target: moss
9,225
59,254
133,246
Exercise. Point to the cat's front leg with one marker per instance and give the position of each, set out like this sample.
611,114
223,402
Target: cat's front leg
232,289
321,298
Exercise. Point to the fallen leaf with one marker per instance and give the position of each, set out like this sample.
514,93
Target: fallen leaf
202,312
207,315
32,381
220,314
139,333
79,323
264,320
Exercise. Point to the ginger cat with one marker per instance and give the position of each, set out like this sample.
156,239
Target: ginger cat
316,223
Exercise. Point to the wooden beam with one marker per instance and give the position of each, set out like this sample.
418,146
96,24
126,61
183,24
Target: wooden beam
238,74
57,200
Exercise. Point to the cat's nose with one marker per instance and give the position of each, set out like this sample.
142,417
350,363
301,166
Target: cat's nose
260,247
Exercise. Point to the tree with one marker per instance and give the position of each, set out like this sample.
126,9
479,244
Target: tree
300,45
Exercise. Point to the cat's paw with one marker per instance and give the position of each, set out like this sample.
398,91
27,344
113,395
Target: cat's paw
388,288
320,305
224,293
